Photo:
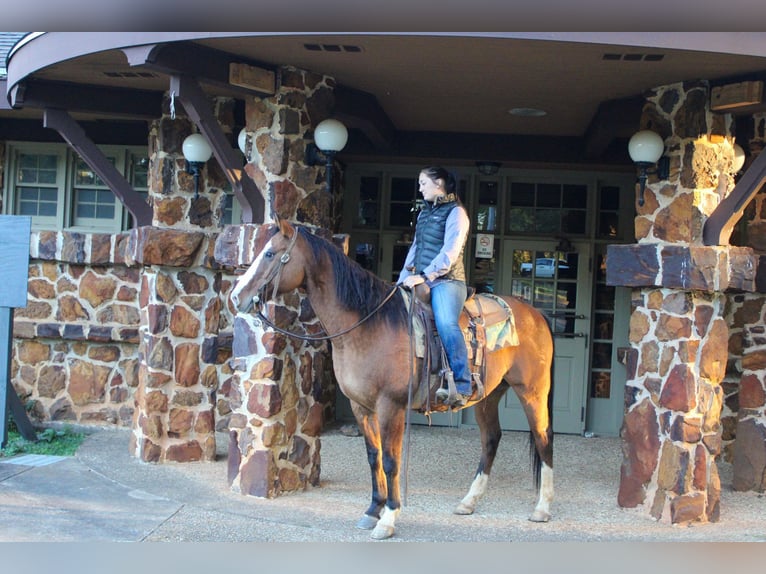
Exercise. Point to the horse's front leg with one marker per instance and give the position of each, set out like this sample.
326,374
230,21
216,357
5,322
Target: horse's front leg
368,424
391,417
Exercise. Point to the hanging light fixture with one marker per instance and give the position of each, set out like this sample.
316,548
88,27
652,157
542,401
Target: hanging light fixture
196,152
488,167
242,141
646,148
330,137
739,159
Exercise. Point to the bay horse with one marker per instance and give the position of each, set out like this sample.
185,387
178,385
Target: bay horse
372,361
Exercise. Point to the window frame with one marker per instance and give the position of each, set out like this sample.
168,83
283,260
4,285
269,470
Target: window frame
66,217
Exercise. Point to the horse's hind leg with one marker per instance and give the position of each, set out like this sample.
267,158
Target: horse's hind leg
368,424
538,415
488,419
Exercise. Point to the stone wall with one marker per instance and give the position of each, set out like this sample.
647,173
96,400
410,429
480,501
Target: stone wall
672,430
74,352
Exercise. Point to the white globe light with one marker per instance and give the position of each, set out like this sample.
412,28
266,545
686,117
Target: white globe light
196,149
330,135
242,140
739,159
646,146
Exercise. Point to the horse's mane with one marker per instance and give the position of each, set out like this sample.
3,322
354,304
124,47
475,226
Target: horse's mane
356,288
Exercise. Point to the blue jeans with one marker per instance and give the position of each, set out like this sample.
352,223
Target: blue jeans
447,298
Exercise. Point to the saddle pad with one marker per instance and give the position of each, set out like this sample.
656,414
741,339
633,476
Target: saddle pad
499,324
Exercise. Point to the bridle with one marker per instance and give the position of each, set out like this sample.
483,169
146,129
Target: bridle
275,275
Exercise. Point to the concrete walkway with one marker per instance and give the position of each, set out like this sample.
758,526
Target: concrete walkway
104,495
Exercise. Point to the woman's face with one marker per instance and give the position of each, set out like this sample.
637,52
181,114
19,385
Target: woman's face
430,188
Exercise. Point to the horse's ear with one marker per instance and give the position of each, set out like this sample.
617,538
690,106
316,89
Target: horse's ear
285,228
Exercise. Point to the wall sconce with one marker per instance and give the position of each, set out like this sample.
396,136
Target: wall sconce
242,141
330,137
488,167
739,159
196,152
646,148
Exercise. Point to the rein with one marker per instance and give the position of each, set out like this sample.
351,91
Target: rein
334,335
274,277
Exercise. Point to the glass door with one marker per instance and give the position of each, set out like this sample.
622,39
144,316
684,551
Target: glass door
557,283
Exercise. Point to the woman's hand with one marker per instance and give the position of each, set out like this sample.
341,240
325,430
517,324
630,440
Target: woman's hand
412,280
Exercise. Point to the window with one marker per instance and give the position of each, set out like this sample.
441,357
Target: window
37,177
55,186
547,208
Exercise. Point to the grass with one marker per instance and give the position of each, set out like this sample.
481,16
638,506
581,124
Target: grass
50,441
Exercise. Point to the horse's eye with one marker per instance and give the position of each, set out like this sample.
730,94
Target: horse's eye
268,254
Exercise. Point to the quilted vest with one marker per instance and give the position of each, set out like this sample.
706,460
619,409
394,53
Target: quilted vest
429,234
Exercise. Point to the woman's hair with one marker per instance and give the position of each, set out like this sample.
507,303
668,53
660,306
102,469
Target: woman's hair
435,172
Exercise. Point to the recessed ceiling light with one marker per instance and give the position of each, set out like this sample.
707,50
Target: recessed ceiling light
527,112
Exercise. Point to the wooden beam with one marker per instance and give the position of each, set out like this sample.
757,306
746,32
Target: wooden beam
120,102
75,136
360,110
199,109
719,225
614,119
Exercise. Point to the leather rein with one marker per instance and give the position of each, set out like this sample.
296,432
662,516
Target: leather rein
274,277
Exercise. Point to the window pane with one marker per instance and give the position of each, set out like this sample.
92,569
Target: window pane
400,215
86,210
48,162
403,189
48,194
547,220
523,194
47,176
573,221
548,195
47,209
27,208
575,196
520,219
610,198
86,195
104,211
27,176
139,171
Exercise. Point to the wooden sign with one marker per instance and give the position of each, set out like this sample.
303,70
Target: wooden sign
736,96
14,272
14,259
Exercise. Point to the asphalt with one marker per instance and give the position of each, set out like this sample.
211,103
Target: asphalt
103,494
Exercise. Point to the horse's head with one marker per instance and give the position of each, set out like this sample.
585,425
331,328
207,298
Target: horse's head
277,268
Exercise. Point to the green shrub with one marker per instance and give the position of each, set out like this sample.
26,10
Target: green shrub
49,441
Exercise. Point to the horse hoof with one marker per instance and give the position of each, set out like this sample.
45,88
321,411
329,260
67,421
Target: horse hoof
367,522
463,509
382,532
539,516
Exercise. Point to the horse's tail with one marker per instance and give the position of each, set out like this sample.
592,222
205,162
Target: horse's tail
534,453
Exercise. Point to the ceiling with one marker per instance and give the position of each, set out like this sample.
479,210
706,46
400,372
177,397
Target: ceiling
461,83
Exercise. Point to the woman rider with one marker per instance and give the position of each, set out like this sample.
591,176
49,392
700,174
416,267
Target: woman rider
436,258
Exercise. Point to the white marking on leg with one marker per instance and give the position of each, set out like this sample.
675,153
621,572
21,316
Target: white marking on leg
385,526
475,493
542,511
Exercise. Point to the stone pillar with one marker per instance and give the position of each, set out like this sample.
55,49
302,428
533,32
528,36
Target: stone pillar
283,389
749,448
179,302
671,431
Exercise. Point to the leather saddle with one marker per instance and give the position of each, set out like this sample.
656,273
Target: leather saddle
480,312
